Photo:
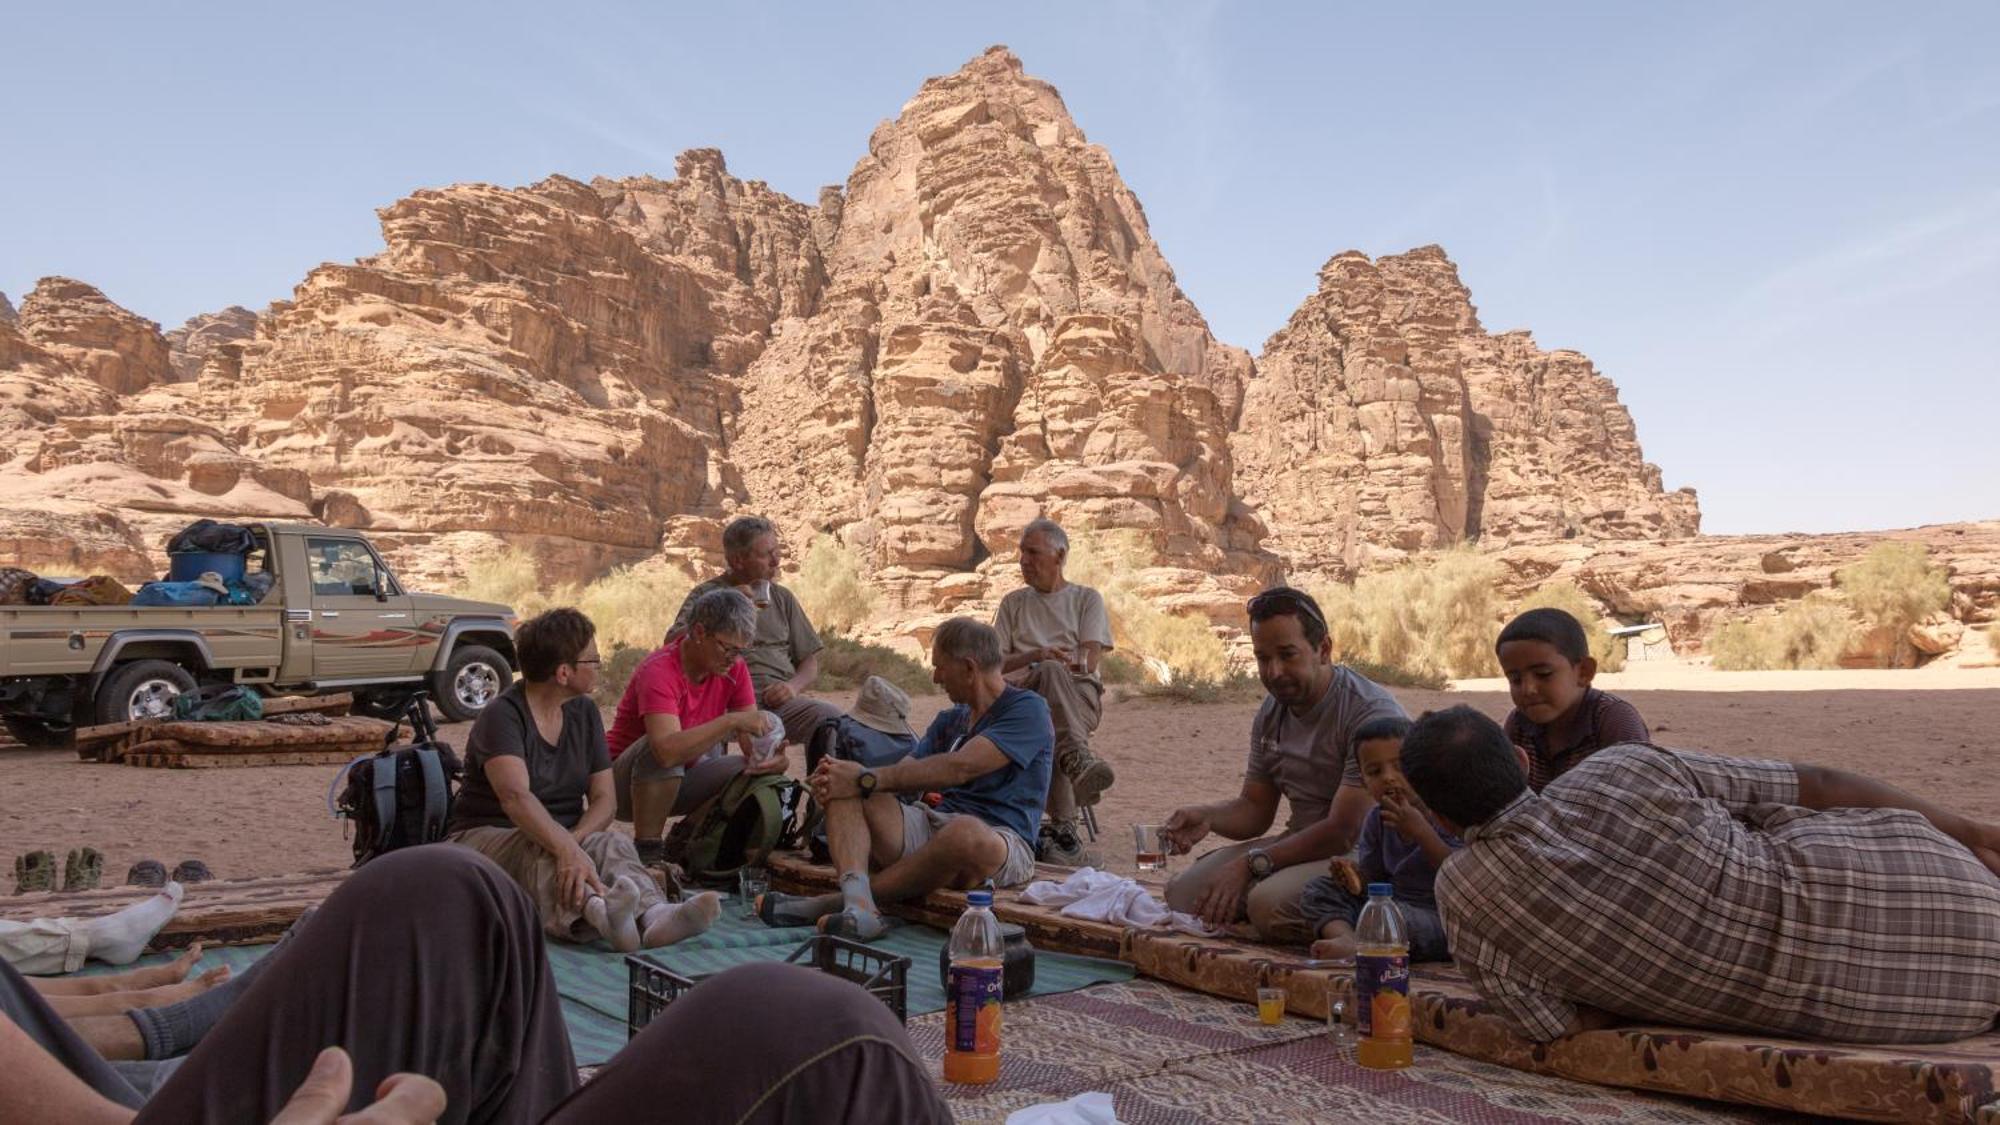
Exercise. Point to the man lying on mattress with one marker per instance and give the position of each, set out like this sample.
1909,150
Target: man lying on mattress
1672,887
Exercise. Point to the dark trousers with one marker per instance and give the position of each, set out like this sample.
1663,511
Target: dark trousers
1325,900
430,960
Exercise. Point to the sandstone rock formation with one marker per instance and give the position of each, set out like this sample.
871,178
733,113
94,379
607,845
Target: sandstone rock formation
974,329
1383,418
190,345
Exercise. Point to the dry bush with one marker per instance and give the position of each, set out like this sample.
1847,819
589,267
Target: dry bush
616,672
844,663
1171,647
632,608
1893,587
1810,633
1231,687
509,577
1570,598
1422,620
829,585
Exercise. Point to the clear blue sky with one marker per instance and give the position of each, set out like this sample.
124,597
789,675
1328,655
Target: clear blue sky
1775,226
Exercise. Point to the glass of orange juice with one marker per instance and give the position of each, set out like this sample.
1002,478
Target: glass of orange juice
1270,1005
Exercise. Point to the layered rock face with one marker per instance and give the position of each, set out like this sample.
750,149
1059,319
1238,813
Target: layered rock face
1384,419
990,276
976,329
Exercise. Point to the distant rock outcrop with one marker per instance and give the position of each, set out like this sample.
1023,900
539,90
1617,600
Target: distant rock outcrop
1384,419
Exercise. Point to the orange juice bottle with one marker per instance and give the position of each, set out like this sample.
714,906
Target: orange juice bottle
972,995
1382,983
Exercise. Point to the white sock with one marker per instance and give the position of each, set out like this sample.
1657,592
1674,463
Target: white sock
120,938
621,910
668,923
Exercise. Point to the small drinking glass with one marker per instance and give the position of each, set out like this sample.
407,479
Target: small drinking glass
1337,1031
1270,1005
751,883
1150,846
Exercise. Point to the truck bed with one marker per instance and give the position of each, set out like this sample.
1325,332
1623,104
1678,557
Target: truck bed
66,640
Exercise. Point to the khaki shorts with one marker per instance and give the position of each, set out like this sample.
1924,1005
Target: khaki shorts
921,822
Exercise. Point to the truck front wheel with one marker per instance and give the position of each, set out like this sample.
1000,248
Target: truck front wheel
473,677
143,689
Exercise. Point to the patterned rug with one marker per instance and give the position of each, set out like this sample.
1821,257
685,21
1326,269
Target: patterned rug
1170,1056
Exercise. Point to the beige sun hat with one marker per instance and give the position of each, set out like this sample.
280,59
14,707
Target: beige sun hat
882,706
210,580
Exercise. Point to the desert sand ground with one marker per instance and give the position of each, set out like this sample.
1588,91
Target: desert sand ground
1930,732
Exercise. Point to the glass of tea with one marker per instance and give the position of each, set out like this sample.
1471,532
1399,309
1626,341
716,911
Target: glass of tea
1270,1005
751,883
1150,846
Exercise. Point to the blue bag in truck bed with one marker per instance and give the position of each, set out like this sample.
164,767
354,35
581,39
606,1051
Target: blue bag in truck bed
186,566
176,594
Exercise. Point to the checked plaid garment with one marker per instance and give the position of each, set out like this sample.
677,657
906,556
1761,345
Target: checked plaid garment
1681,888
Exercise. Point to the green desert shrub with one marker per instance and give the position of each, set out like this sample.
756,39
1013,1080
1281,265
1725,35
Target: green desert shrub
1893,587
1423,620
830,586
1170,647
844,663
1812,632
1570,598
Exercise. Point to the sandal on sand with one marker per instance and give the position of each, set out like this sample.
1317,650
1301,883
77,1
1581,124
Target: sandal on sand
147,873
35,871
192,871
83,869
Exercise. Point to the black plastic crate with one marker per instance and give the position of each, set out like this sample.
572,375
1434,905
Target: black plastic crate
654,986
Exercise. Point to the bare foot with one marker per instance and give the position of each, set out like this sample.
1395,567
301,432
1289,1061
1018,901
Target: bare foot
173,972
195,986
1334,948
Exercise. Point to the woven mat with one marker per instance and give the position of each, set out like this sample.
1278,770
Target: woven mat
1169,1055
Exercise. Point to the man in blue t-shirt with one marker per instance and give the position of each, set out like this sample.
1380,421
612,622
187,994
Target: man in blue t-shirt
989,756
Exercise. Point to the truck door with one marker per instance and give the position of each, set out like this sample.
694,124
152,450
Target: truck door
361,618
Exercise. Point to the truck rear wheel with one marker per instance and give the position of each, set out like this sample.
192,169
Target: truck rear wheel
473,677
143,689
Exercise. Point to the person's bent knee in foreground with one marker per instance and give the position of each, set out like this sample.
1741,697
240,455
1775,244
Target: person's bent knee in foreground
1301,749
989,756
430,997
796,1045
1772,888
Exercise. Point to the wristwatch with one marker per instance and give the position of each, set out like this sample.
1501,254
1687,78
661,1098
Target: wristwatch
866,783
1260,863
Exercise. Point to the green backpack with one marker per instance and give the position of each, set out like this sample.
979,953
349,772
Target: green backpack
739,826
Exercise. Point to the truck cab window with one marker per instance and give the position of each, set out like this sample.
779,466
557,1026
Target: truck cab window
346,568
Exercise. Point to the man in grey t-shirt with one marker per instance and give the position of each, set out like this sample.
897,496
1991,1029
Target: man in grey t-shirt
1301,748
783,656
1052,634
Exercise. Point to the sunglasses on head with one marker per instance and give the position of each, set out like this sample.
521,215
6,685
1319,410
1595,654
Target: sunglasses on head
1284,597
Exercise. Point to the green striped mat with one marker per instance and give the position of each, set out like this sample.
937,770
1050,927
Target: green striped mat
594,982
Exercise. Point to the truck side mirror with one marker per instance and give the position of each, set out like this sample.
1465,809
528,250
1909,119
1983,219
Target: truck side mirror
381,588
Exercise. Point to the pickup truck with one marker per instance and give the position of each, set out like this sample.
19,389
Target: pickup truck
336,619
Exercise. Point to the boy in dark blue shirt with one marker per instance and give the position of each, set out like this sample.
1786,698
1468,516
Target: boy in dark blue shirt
1400,844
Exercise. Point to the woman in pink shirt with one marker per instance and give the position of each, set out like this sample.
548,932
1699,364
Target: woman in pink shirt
670,738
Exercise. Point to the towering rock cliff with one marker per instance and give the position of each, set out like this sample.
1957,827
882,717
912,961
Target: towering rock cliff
975,329
1384,419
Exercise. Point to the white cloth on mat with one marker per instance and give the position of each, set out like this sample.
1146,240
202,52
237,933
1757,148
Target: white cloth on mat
1093,1108
1104,897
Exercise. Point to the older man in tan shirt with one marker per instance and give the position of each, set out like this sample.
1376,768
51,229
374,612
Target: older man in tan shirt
1052,634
